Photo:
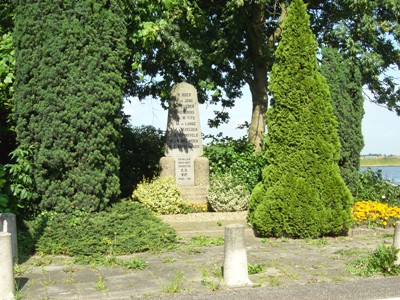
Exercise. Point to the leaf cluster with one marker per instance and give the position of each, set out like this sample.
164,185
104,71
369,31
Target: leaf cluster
161,195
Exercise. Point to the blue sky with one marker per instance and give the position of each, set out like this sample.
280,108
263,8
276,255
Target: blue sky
381,127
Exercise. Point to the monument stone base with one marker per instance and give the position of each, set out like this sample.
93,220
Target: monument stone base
196,193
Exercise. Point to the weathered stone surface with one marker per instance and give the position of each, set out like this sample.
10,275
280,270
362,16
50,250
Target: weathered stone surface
6,267
8,223
201,171
235,257
183,127
167,167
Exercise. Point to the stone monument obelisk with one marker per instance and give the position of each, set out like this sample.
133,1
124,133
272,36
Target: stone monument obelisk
183,148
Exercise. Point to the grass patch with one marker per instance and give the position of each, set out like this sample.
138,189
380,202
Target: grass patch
255,268
351,251
175,284
206,241
134,263
317,242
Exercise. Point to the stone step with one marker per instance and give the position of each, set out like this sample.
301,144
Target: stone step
209,224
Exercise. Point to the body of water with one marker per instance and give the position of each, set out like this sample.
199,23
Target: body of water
392,173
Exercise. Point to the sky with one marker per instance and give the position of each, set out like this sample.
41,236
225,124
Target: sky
380,127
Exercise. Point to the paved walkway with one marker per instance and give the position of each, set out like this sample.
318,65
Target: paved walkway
290,269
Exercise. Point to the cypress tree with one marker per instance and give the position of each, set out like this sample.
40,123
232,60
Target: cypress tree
301,193
68,96
344,80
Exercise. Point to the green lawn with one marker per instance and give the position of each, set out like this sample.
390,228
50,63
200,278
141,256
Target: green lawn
387,161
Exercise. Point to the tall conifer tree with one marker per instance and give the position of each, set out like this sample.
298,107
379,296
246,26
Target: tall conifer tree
301,193
68,95
344,80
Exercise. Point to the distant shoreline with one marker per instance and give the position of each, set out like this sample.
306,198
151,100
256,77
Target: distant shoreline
380,162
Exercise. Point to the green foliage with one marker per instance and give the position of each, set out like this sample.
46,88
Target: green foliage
344,80
227,193
255,268
21,179
301,193
3,193
380,262
124,228
206,241
68,96
161,195
140,152
373,186
236,157
7,61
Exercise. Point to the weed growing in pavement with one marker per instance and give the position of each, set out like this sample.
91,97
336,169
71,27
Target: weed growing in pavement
168,260
350,251
20,270
134,263
206,241
274,281
317,242
380,261
175,284
42,261
100,284
209,280
255,268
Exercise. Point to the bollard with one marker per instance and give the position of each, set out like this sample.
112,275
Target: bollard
235,270
396,241
6,267
8,224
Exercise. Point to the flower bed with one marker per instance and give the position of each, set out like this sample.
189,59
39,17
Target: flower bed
375,213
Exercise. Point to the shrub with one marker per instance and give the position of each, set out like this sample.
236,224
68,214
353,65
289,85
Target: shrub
302,194
140,151
372,185
161,195
227,193
375,213
124,228
381,261
237,157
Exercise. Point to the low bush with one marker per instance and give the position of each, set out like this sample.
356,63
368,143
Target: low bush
379,262
124,228
237,157
373,213
227,193
372,185
161,195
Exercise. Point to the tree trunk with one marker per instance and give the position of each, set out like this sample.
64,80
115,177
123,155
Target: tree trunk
259,97
262,64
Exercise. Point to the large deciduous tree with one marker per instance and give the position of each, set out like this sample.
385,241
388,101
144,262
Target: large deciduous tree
220,46
68,96
344,80
301,193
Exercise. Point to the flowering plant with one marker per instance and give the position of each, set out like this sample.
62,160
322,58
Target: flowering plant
375,213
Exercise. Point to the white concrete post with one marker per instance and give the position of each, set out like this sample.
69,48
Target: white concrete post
6,267
396,240
235,257
8,224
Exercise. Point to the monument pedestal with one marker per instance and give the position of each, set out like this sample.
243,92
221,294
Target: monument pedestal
196,193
